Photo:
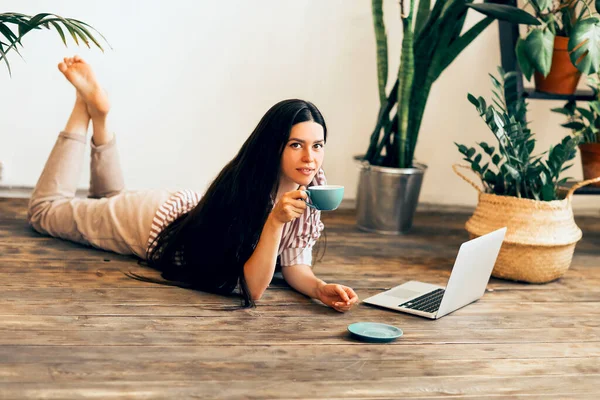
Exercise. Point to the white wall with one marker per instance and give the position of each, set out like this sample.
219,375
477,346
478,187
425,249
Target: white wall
189,80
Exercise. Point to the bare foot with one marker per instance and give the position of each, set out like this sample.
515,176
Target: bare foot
80,74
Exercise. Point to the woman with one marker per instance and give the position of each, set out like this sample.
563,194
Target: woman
231,238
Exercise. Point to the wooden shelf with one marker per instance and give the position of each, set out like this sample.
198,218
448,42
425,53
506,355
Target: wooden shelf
583,190
581,95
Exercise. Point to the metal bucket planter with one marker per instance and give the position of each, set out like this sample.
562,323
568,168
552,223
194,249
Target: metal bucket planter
387,197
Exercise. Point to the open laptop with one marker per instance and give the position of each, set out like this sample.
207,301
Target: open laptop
467,283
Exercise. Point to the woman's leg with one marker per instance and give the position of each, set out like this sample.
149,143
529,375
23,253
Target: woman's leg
106,177
120,223
60,175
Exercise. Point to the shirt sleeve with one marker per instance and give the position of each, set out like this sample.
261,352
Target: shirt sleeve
303,233
300,247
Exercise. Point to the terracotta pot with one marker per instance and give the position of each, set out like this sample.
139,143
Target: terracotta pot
590,161
563,77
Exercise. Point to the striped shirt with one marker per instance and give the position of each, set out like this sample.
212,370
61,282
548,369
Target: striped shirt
297,239
178,204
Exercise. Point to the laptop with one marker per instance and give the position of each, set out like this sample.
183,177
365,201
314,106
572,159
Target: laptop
468,280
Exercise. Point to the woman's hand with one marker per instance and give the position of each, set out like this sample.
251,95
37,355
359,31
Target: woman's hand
341,298
290,206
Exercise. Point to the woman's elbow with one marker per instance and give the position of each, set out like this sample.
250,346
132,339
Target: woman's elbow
256,294
256,287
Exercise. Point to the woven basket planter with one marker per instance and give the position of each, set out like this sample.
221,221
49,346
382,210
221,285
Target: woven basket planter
541,235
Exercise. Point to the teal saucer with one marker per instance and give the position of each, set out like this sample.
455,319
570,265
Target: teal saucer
374,332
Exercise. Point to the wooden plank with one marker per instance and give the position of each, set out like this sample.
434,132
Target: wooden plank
275,294
231,322
405,387
297,305
301,370
103,278
407,352
583,266
292,334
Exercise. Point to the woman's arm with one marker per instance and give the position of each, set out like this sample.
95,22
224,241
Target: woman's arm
301,277
259,268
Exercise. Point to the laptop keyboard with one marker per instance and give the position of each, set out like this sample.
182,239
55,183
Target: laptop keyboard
429,302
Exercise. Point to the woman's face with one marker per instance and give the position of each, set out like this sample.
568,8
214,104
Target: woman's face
303,153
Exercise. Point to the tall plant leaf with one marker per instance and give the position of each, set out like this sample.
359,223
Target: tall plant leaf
382,51
461,43
505,12
405,77
422,15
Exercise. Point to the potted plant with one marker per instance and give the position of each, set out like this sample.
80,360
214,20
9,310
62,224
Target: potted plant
586,124
521,190
390,180
13,26
563,46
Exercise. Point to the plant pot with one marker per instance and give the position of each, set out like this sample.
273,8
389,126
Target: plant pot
590,161
387,197
541,235
564,76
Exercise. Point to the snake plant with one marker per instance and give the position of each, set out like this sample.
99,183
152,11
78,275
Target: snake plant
13,26
431,41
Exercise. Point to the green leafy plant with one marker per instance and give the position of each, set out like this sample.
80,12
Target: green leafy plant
584,122
573,19
13,26
513,169
431,41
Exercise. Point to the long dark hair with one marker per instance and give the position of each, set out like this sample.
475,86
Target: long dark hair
206,248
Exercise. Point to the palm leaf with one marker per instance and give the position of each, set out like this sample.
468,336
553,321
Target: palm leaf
60,31
84,27
3,57
78,30
7,33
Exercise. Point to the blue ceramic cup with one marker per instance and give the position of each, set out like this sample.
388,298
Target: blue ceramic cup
326,197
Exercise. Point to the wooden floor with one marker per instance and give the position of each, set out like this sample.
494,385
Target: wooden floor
72,325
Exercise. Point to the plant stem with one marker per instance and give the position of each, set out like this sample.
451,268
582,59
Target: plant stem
382,121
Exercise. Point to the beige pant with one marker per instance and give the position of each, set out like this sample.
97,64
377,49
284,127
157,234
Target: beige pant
111,218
